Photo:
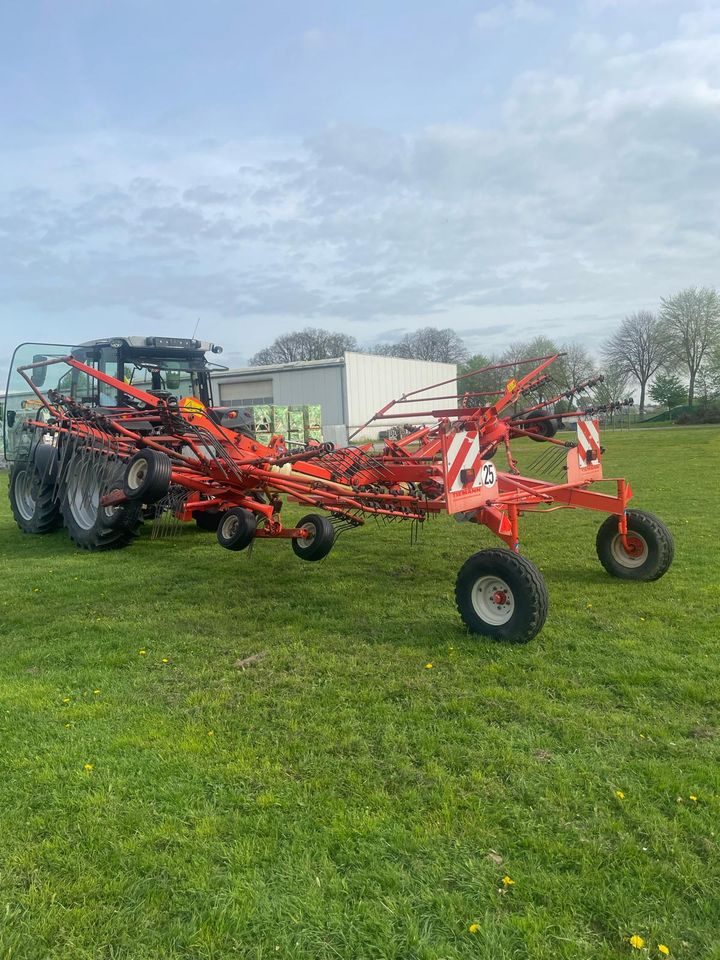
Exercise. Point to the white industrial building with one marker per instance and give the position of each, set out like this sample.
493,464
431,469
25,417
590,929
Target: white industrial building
349,389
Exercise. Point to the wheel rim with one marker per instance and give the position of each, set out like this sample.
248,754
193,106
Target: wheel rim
24,495
83,497
638,553
137,473
305,542
230,526
493,600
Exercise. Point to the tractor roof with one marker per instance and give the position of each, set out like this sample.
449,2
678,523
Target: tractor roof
183,344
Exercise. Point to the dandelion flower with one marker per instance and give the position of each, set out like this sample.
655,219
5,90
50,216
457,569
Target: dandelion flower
474,927
142,652
619,794
96,692
66,699
507,881
428,666
165,660
665,951
88,766
637,942
693,797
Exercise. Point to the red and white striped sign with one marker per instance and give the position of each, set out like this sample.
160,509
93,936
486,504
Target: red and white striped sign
469,480
588,434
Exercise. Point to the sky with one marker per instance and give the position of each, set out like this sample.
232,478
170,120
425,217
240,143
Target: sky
241,169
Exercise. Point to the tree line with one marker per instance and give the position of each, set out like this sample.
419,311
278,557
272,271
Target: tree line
672,356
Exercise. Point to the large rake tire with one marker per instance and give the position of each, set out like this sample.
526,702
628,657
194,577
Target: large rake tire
319,541
91,526
207,520
147,476
651,547
33,498
537,424
501,595
236,529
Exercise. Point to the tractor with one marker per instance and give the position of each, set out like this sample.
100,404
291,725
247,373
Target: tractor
128,431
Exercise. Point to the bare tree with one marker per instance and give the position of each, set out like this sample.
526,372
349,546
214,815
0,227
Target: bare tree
575,367
614,386
690,322
638,347
429,343
308,344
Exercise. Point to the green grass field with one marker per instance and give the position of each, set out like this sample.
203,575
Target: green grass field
341,798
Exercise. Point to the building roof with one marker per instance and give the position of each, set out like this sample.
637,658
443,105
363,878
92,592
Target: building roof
268,368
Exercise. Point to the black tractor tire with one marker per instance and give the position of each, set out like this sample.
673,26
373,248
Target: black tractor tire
91,526
501,595
147,476
207,520
33,498
320,539
236,529
543,429
653,541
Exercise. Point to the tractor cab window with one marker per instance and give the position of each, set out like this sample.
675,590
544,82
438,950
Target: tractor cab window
21,404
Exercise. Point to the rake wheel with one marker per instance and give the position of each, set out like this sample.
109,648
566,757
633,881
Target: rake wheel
650,543
502,595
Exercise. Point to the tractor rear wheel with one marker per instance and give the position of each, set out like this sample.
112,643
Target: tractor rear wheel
91,526
650,547
236,529
33,499
319,541
502,595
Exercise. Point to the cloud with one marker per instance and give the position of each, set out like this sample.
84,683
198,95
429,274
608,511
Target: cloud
515,11
588,193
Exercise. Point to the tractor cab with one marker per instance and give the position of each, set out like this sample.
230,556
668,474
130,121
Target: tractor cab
163,366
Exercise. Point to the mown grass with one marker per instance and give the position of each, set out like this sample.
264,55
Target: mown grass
341,798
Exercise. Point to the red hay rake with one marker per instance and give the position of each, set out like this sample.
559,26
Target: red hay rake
98,469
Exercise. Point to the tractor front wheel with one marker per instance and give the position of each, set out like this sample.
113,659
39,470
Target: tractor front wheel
33,499
647,552
501,595
320,538
236,529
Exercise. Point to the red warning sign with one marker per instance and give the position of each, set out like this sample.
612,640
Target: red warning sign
470,482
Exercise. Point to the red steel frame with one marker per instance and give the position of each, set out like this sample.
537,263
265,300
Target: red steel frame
220,468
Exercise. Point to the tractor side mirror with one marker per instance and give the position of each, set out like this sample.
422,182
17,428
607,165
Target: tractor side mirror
172,380
10,418
39,373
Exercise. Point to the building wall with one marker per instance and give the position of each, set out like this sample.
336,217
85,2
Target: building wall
315,382
349,390
373,381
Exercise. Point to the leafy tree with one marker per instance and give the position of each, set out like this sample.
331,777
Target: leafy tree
708,378
668,389
429,343
690,323
485,382
308,344
638,347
